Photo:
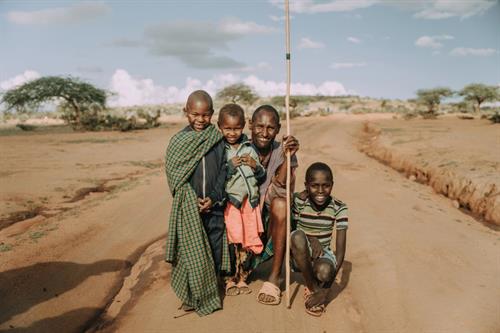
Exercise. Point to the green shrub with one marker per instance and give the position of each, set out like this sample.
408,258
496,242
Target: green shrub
26,127
495,118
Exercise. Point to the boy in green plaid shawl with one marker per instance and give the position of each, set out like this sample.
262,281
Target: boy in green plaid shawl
196,243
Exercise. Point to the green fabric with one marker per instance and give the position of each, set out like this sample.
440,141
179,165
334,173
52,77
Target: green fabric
193,273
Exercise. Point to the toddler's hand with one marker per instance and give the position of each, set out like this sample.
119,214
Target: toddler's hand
248,160
236,161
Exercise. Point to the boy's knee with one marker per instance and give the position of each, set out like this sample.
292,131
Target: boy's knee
299,241
324,270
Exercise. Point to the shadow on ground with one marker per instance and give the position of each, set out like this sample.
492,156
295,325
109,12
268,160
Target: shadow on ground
62,323
23,288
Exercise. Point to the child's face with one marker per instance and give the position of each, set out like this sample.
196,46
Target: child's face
319,188
231,128
199,115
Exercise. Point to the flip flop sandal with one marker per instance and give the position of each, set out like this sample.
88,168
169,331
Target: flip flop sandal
316,310
232,289
269,289
243,288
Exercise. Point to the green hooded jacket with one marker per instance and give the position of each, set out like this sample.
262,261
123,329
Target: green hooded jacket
242,181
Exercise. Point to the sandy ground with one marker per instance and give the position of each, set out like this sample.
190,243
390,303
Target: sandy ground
414,262
458,158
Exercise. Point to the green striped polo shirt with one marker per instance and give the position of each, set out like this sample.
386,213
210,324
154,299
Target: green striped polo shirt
319,223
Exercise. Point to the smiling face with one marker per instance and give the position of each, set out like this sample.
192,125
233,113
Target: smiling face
199,114
231,128
264,129
319,187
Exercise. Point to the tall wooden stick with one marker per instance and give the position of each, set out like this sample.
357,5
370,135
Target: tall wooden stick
288,156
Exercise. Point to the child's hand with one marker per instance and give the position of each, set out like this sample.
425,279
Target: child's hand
236,161
248,160
317,249
204,205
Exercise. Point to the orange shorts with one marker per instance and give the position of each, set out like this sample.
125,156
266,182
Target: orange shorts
244,226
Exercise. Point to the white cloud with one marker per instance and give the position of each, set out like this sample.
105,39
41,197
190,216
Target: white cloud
279,18
272,88
432,41
196,43
311,6
132,91
441,9
61,15
142,91
466,51
354,40
17,80
235,26
340,65
429,9
307,43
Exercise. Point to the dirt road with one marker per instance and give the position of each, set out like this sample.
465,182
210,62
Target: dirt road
414,263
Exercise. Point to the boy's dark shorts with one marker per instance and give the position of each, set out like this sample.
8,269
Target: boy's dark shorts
327,254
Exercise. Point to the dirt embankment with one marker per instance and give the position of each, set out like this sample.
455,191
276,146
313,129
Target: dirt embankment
481,198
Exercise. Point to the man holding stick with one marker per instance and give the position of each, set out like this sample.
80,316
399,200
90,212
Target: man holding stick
265,126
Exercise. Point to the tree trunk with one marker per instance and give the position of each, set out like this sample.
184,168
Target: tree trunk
77,112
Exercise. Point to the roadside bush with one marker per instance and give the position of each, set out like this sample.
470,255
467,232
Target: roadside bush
409,115
97,119
495,118
26,127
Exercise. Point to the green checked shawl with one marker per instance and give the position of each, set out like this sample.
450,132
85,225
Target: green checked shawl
193,273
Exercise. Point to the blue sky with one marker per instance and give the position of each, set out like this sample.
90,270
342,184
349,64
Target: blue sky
158,51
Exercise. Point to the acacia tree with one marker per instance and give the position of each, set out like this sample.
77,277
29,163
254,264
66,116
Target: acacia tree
431,98
74,93
480,93
281,101
238,93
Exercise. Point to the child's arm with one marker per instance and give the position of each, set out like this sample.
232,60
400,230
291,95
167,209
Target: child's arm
340,243
218,194
341,226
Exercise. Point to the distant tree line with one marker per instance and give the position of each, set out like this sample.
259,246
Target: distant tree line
476,93
83,104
